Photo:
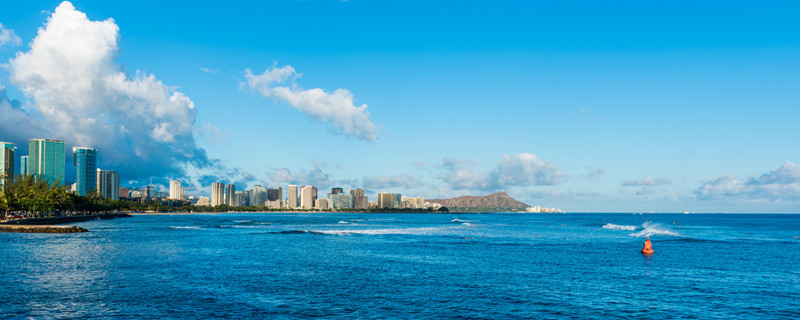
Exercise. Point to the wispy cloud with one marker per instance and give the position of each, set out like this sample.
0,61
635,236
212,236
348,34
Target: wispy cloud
780,184
207,70
213,134
8,37
336,108
595,173
647,181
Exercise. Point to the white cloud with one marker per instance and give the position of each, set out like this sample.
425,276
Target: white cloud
526,169
518,170
81,95
337,108
646,182
8,37
780,184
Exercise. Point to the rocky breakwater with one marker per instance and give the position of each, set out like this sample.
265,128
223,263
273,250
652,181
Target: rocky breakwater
41,229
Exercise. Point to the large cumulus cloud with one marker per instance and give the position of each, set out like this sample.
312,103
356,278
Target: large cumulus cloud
140,126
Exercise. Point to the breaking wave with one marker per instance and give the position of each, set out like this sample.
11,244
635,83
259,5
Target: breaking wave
612,226
173,227
649,229
645,230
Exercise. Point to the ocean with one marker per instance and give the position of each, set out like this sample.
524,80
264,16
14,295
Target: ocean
407,266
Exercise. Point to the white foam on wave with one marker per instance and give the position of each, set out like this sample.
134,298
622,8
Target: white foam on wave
411,231
612,226
173,227
467,224
649,229
343,222
458,220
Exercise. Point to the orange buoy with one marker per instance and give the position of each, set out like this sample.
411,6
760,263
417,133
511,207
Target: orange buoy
648,247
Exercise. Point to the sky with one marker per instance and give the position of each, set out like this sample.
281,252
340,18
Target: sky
587,107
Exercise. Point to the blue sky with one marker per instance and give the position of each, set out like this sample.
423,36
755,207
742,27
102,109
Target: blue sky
587,107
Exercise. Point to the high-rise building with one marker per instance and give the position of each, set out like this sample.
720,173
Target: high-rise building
46,159
175,190
258,197
6,162
275,194
341,200
337,190
149,191
359,200
239,199
389,200
23,165
308,194
85,162
217,194
108,184
230,193
291,200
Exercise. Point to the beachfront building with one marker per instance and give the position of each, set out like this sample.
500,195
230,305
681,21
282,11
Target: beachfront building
321,204
203,201
275,194
291,200
413,203
359,199
308,194
85,162
6,162
46,159
389,200
23,165
274,204
175,190
230,193
240,198
341,200
217,194
258,197
108,184
337,190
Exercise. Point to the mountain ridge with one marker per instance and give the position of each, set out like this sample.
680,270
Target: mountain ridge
499,200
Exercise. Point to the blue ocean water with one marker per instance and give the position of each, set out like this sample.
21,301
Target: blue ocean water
409,266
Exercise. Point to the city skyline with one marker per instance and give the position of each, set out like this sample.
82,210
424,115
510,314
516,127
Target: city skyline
633,107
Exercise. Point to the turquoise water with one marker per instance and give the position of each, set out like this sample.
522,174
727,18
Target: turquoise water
471,266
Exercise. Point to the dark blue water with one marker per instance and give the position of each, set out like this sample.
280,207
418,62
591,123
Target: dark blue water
573,266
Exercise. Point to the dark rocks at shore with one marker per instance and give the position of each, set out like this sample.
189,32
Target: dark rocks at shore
41,229
63,219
